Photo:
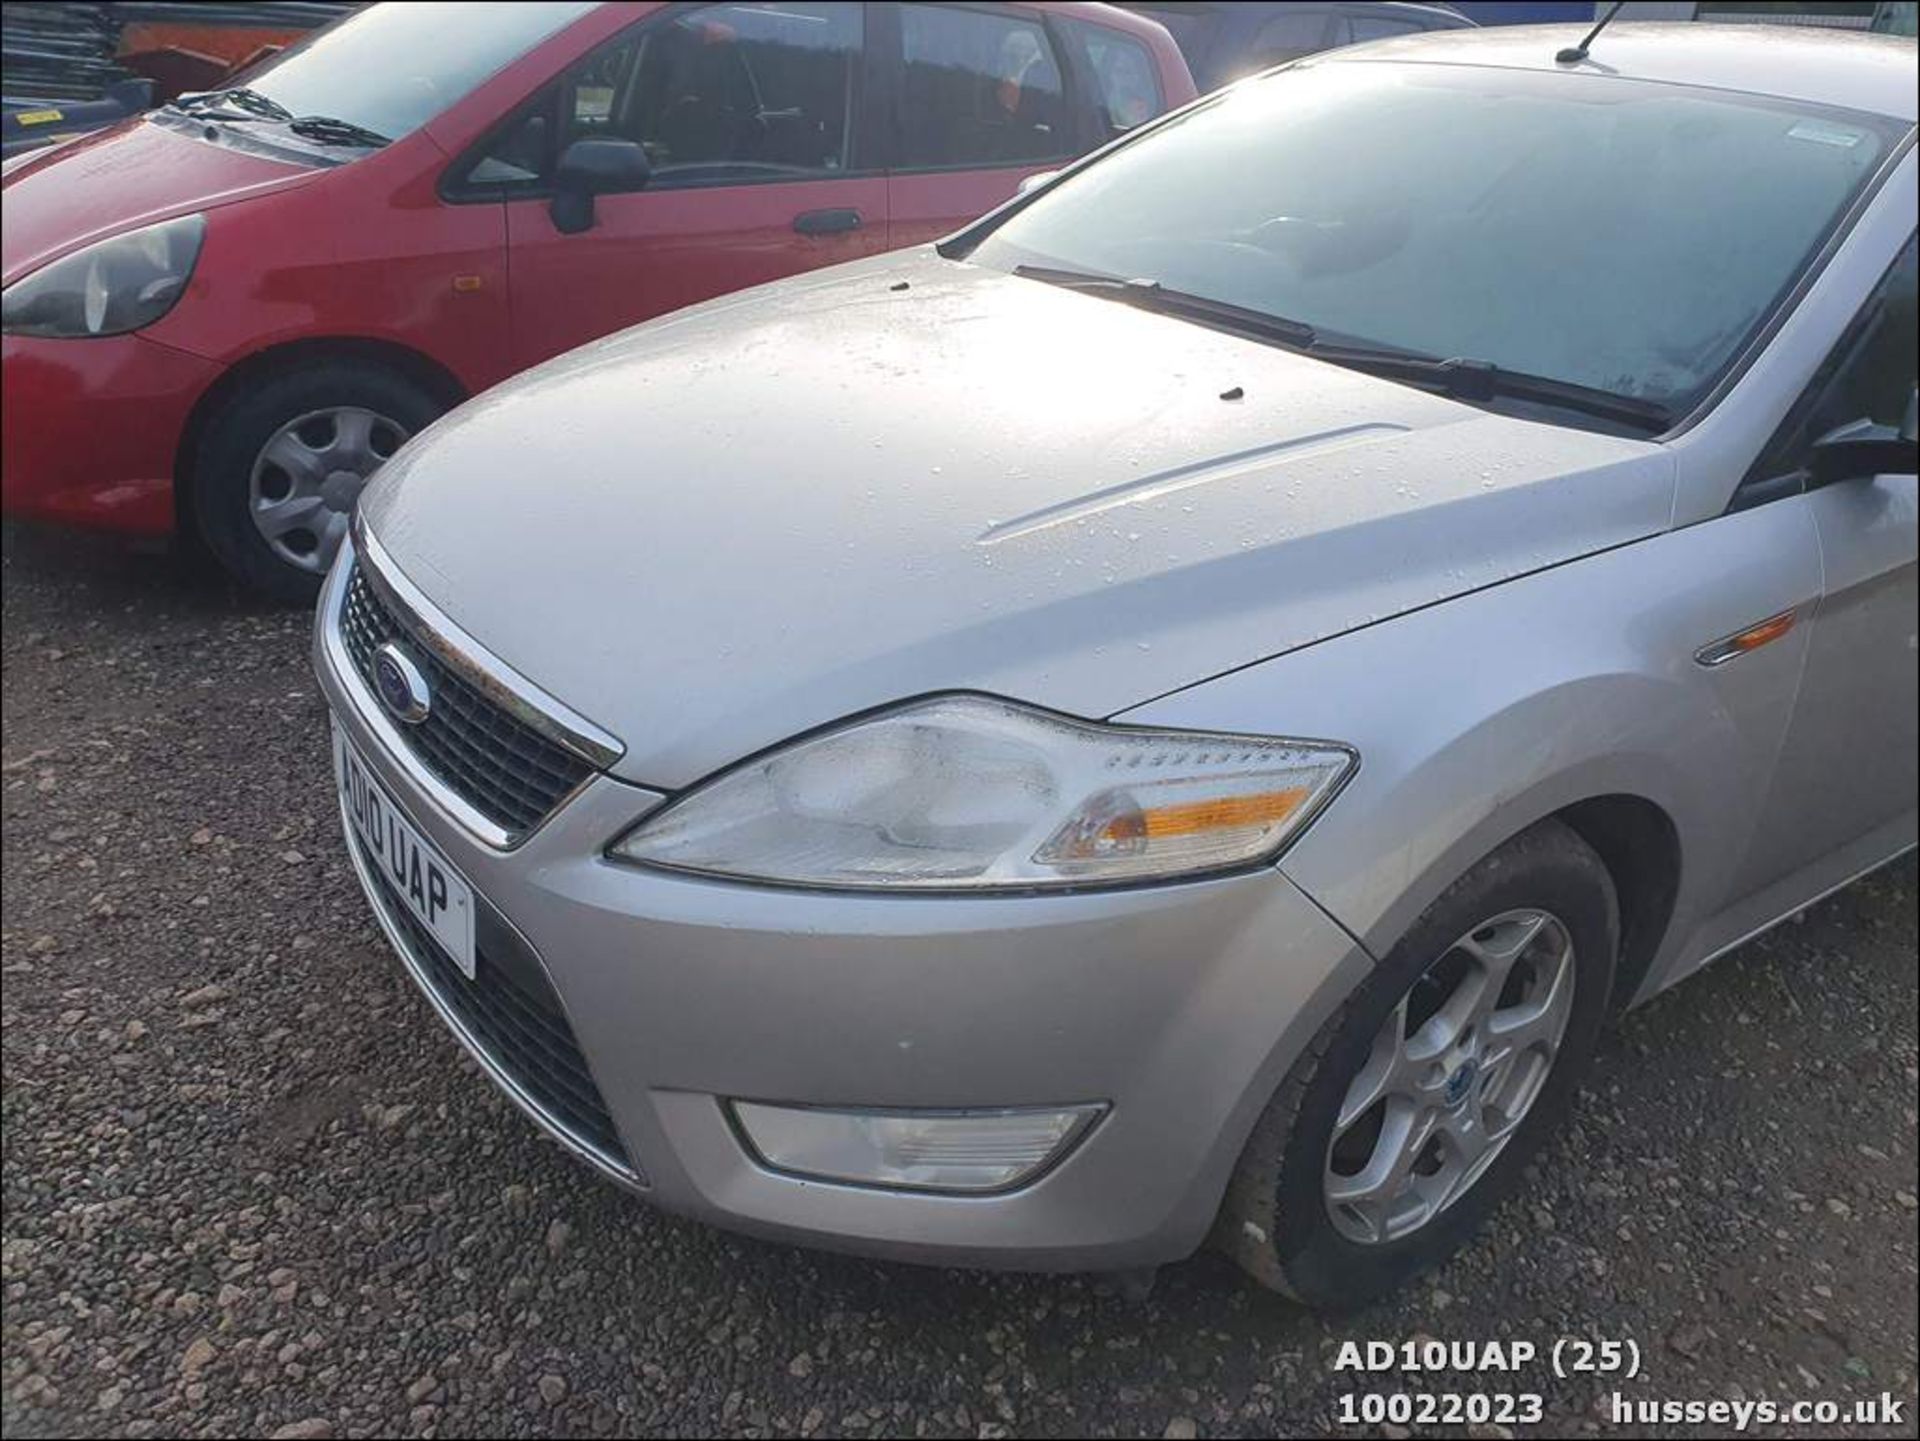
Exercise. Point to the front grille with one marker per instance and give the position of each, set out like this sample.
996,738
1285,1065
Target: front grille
503,768
511,1013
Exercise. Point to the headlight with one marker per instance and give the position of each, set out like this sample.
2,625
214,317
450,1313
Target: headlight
969,793
109,288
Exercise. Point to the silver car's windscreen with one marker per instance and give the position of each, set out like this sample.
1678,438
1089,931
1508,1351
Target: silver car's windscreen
1620,235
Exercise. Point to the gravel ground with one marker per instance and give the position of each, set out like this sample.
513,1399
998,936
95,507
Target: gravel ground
251,1188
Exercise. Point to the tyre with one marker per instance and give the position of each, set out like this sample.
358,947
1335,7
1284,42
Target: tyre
1412,1113
282,462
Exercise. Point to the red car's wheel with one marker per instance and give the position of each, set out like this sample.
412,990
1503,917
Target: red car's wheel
283,463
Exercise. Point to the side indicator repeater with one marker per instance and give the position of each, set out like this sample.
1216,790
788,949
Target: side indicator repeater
1752,638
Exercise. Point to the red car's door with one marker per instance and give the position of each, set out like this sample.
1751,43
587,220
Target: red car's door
986,96
752,118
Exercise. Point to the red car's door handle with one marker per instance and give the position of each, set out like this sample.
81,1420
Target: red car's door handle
826,222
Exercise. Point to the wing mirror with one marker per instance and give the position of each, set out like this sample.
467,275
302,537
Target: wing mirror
1033,182
594,167
1861,448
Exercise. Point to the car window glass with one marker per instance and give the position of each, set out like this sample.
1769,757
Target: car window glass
1287,36
979,89
1353,29
1620,234
590,89
519,155
391,68
1192,26
1124,74
725,93
1869,375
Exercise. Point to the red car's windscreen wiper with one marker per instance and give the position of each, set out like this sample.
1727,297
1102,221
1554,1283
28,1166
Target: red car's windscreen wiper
331,131
236,97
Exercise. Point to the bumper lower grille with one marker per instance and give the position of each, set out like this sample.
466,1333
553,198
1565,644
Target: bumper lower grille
503,768
511,1013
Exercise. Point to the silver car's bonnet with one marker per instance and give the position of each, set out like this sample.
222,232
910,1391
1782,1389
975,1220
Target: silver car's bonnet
715,531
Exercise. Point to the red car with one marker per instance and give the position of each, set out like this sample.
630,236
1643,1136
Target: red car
223,315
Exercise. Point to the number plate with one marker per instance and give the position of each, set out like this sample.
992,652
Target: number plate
425,881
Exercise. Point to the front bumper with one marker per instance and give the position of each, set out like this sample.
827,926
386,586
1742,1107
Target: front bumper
90,429
1180,1006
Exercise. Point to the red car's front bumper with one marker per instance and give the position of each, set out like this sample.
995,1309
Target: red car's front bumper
89,429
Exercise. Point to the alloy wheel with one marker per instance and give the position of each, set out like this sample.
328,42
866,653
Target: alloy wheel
1450,1076
309,475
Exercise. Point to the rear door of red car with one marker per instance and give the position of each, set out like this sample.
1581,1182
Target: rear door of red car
983,95
754,117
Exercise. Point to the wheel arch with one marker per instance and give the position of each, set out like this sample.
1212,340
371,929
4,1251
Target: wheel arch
1636,839
1571,693
1631,809
416,366
1639,844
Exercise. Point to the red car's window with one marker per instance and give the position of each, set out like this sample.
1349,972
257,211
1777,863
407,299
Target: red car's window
981,89
1128,83
722,94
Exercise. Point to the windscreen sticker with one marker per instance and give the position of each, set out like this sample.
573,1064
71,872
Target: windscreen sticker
1821,133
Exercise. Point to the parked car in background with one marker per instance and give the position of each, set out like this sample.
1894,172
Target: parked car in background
1896,17
28,124
66,69
1181,709
224,315
1226,39
1890,17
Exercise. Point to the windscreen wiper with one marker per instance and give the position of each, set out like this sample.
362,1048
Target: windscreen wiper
1078,279
331,131
1460,378
1457,378
237,97
1152,295
253,100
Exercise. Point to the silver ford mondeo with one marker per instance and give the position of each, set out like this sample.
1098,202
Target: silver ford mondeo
1180,710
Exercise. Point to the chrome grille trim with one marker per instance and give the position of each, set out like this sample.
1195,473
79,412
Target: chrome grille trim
453,648
487,673
510,772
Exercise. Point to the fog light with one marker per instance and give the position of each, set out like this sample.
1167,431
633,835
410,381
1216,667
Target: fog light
913,1150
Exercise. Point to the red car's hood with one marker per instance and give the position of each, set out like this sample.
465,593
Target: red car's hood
133,174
